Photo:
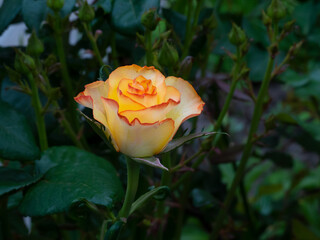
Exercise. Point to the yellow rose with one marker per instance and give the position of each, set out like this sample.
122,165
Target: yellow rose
140,108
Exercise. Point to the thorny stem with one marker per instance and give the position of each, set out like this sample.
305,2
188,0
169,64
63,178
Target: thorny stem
64,71
247,149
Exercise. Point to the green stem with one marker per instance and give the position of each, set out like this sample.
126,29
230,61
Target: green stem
247,150
64,71
245,202
165,181
177,167
114,52
38,111
133,170
190,28
93,42
148,44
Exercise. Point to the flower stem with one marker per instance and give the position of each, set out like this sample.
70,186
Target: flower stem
190,28
148,45
133,170
64,71
39,116
114,52
247,149
165,181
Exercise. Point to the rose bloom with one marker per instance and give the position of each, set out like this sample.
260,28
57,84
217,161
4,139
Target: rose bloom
140,108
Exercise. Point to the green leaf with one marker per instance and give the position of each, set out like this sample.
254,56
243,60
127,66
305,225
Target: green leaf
14,179
67,7
145,197
126,14
71,175
8,11
106,5
16,139
151,161
180,141
34,13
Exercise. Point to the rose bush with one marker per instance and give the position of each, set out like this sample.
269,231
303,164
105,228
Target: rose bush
140,108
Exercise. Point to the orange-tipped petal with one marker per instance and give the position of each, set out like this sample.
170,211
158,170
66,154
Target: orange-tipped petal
137,139
84,100
91,97
190,103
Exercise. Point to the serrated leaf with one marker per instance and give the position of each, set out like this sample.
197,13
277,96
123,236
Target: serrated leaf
14,179
71,175
145,197
8,11
175,143
16,139
150,161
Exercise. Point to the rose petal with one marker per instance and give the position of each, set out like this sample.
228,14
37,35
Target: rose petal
84,100
190,103
137,139
173,94
91,97
152,114
147,100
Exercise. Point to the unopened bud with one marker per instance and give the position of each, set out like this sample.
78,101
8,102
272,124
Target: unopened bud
35,46
150,19
276,10
266,19
24,63
237,36
168,55
86,12
55,5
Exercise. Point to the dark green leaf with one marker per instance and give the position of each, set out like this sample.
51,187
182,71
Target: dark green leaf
150,161
71,175
179,141
8,11
145,197
34,13
106,5
67,7
14,179
16,139
126,14
177,20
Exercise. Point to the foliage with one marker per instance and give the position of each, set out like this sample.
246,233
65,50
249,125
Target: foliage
256,70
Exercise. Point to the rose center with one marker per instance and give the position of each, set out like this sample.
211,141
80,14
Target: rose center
142,86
